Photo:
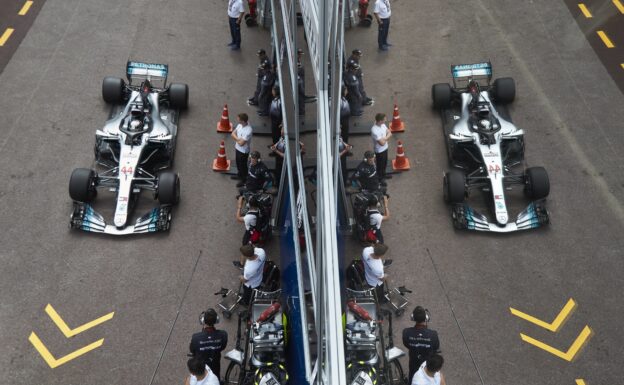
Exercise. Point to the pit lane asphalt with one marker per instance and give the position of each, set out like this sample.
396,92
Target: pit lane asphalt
15,20
52,104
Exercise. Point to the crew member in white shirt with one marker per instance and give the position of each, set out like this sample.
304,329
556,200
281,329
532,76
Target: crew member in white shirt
374,268
236,11
375,217
242,137
380,135
253,259
200,373
382,15
429,372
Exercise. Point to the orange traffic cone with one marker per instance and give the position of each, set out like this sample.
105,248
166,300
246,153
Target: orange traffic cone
400,163
221,163
396,125
224,124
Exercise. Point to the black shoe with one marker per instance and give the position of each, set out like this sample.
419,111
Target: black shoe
237,264
260,113
388,44
387,262
367,103
234,177
231,44
251,102
240,184
383,48
235,48
357,114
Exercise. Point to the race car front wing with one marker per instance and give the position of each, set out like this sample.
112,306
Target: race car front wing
534,216
85,218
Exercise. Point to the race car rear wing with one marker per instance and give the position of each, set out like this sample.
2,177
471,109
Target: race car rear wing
463,73
155,73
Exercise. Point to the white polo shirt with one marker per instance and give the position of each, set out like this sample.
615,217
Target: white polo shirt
421,377
250,219
373,268
244,132
379,132
382,7
375,219
210,379
252,271
235,8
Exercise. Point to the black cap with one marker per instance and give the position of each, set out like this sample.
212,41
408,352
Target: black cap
255,154
261,51
357,52
369,154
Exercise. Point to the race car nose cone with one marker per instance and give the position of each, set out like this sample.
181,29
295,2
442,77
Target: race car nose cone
502,219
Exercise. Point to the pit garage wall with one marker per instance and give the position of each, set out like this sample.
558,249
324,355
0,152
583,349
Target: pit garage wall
295,356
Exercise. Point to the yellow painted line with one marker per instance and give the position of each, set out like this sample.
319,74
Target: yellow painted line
554,326
72,332
572,351
585,11
25,8
5,36
54,362
605,39
619,6
580,382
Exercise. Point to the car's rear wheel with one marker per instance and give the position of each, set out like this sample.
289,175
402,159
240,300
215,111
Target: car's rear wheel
505,90
537,184
454,187
441,94
113,90
178,96
168,188
82,185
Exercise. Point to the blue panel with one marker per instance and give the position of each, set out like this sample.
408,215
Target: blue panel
295,363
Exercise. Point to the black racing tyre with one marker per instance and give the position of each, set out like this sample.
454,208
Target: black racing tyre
454,186
82,185
504,90
178,96
232,374
537,184
441,94
113,90
168,188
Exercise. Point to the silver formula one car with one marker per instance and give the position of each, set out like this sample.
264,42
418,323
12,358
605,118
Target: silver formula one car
484,147
131,151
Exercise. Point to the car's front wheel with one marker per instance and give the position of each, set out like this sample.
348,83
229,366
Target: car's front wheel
82,185
454,187
168,188
537,184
